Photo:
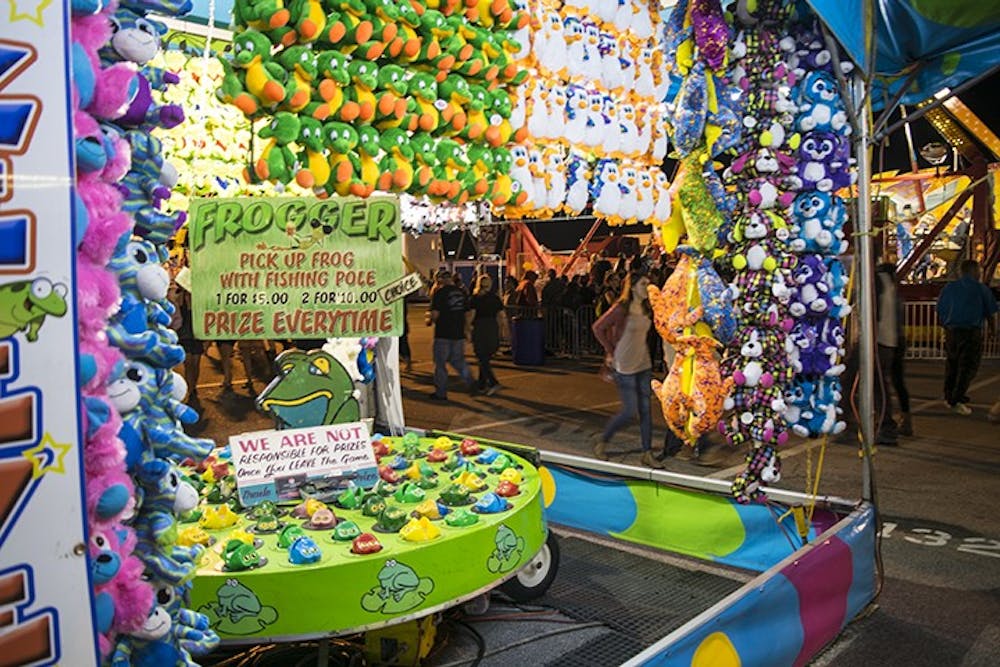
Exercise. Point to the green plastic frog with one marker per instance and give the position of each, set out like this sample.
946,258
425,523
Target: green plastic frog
25,304
311,389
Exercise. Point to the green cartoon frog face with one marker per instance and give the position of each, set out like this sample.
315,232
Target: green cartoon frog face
397,578
249,47
393,79
340,137
311,389
424,86
364,73
368,138
408,15
25,304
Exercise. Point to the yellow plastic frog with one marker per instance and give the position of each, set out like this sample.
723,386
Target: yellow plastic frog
218,517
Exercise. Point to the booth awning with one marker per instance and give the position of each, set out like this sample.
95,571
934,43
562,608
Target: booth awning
950,42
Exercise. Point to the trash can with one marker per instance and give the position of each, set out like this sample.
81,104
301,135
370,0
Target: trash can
527,341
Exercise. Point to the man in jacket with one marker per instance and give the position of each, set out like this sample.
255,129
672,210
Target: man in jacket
963,307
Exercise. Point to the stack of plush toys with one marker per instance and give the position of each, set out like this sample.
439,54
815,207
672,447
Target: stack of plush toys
757,85
365,95
592,113
818,304
211,145
131,409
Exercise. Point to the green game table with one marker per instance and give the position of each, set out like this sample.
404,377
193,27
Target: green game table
345,592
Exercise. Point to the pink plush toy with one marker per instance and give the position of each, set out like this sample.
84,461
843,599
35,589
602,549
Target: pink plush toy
105,92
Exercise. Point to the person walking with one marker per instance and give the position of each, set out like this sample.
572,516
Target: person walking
622,332
891,340
486,308
447,314
526,298
964,306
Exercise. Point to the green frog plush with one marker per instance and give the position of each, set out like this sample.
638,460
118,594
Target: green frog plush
311,389
25,304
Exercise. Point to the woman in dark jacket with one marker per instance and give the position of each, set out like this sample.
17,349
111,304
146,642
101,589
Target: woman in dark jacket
485,307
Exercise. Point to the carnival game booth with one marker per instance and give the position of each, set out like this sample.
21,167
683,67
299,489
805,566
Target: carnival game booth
344,110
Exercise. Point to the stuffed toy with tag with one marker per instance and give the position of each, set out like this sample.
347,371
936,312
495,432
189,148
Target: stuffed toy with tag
763,468
764,177
104,91
606,189
454,93
813,407
824,162
277,162
818,223
147,184
252,81
301,71
820,106
819,348
164,496
811,297
760,242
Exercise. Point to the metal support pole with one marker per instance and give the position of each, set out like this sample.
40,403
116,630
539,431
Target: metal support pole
580,247
866,297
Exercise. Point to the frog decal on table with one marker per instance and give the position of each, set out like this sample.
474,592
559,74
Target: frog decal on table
400,589
25,304
510,548
237,610
311,389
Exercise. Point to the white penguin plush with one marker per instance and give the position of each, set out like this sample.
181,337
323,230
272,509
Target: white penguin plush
538,184
645,196
595,119
661,193
611,69
608,195
577,183
642,22
555,127
519,108
591,49
538,114
644,72
644,138
575,51
605,10
554,57
611,134
627,60
629,197
623,15
523,35
521,173
629,132
576,114
553,161
660,143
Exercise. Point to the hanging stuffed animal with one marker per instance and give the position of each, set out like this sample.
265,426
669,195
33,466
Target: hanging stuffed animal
553,162
763,468
576,114
629,196
824,162
819,105
575,48
606,191
645,195
818,223
578,176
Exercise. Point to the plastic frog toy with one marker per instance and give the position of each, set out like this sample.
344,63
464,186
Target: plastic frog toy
219,517
238,556
304,551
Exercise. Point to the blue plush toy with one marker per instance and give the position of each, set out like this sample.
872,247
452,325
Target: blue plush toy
147,185
189,628
818,223
147,400
811,297
164,495
820,106
837,280
140,328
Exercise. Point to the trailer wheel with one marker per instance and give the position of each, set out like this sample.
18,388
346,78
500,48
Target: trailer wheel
532,580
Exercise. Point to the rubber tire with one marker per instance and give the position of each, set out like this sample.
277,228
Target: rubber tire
526,584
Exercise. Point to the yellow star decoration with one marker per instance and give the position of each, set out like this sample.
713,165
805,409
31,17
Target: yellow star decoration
28,10
47,456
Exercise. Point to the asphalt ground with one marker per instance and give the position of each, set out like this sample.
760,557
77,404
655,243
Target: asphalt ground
937,491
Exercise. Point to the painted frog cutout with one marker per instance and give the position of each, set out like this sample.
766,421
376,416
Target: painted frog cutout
25,304
238,611
400,589
509,548
311,389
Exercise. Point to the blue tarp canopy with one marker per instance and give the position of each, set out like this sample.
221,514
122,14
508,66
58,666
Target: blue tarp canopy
951,41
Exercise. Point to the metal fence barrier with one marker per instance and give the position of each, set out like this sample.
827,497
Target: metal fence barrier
925,337
568,333
567,330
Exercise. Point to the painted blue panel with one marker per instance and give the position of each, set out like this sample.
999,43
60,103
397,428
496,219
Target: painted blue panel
767,544
860,537
596,505
763,628
14,241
